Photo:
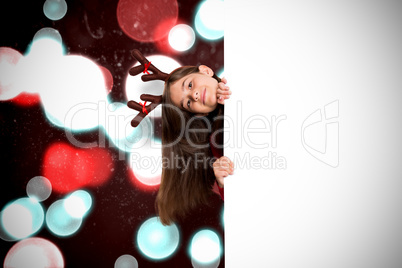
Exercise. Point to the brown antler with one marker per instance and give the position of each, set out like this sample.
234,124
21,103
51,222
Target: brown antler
156,75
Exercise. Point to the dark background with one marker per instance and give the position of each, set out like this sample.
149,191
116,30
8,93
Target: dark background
119,207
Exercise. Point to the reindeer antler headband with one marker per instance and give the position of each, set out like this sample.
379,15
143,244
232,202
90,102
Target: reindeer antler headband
156,75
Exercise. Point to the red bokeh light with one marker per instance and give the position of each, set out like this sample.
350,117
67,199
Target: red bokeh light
27,99
147,21
69,168
108,78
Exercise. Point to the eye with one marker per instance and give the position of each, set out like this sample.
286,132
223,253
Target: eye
188,103
190,85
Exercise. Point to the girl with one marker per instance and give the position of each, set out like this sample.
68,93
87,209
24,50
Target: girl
192,137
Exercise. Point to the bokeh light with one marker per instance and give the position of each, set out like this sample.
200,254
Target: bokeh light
181,37
34,252
209,21
135,86
81,87
21,218
26,99
39,188
9,59
108,78
55,9
69,168
223,216
78,203
48,32
119,130
46,46
205,247
126,261
157,241
198,264
147,21
146,162
220,73
71,87
60,222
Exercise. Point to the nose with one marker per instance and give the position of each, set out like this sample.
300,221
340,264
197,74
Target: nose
195,95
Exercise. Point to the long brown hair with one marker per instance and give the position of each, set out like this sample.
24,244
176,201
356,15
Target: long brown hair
183,188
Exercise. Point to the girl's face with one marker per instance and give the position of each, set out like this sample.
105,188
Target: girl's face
196,92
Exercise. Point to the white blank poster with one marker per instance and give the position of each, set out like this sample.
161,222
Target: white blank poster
314,127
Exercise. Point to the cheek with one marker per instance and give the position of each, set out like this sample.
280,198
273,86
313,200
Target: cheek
212,94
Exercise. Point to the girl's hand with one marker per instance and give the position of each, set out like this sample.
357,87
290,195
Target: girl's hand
223,91
223,167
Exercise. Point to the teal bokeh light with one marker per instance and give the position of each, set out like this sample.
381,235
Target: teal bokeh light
220,73
55,9
157,241
60,222
21,218
207,22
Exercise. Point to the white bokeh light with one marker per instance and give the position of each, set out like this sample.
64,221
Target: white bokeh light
39,188
181,37
9,61
205,247
17,221
135,86
210,14
126,261
34,253
146,162
70,87
117,125
21,218
48,32
78,203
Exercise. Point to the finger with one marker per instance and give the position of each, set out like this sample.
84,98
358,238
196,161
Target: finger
227,170
221,100
225,162
224,80
221,174
220,165
215,165
223,92
224,158
223,97
223,86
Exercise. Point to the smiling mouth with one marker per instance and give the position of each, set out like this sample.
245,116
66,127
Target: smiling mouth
203,96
